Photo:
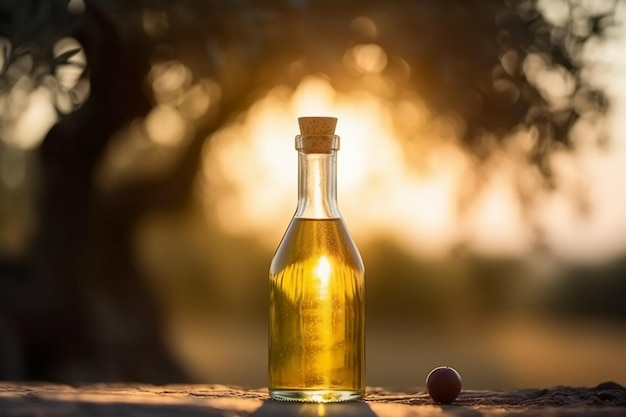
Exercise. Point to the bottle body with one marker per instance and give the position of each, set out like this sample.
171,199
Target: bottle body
317,314
317,286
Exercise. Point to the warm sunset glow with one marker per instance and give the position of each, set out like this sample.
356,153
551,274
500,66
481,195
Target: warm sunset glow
401,173
496,223
382,192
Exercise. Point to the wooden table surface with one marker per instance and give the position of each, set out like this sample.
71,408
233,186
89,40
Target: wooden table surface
141,400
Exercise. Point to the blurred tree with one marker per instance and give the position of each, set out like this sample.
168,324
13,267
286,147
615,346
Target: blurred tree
84,312
590,292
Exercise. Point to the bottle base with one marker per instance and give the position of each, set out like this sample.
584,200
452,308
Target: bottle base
315,396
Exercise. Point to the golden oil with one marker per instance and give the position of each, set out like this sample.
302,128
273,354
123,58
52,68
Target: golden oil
317,314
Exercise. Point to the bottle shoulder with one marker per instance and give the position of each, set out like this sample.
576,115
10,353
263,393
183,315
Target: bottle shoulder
310,238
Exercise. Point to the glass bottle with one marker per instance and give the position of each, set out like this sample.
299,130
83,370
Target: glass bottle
317,289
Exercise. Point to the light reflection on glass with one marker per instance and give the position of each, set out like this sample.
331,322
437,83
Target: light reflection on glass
323,271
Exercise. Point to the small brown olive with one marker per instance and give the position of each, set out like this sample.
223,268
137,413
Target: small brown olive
443,384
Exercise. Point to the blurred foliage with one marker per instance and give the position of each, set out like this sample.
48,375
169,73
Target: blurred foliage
470,61
589,292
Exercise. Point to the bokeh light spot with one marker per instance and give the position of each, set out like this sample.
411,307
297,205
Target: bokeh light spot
364,27
369,58
169,79
165,125
195,102
28,129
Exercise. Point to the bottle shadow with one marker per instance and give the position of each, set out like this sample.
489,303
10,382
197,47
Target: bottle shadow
273,408
460,411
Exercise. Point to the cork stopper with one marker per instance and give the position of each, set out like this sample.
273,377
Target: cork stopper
317,125
317,135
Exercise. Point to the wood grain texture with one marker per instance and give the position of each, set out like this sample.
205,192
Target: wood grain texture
141,400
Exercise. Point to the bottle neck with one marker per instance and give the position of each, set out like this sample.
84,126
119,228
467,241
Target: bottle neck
317,185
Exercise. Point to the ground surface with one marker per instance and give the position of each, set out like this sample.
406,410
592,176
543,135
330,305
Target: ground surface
50,400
